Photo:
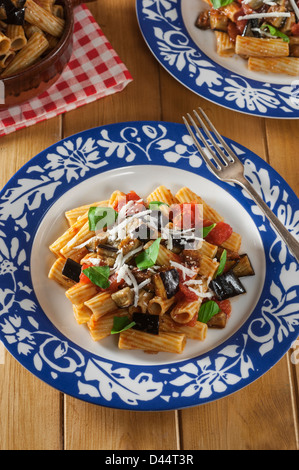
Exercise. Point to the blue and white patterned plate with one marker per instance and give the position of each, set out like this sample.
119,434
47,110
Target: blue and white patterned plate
189,55
36,320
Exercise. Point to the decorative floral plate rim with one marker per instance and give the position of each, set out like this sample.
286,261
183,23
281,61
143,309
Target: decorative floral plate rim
36,343
165,33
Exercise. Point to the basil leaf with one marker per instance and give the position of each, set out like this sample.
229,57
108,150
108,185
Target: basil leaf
156,204
207,311
121,324
206,230
222,262
275,32
101,217
221,3
148,257
99,275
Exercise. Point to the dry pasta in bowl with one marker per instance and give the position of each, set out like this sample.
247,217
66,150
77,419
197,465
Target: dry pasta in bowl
264,32
156,271
29,30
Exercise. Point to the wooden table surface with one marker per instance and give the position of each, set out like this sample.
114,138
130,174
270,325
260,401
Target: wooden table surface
264,415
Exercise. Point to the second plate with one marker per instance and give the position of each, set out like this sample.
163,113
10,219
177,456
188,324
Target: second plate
189,55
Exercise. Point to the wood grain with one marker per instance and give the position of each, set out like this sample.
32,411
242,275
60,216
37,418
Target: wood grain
122,430
30,410
262,416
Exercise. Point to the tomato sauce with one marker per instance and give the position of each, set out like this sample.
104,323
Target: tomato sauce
83,278
295,29
219,234
123,200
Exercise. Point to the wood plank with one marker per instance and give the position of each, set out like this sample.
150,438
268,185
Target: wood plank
255,418
2,354
110,429
30,410
282,142
28,422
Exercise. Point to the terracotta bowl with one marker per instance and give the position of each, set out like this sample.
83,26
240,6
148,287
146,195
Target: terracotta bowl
39,77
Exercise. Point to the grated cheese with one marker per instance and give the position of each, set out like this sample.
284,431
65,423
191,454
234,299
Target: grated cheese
132,253
115,232
198,288
193,282
261,31
194,291
185,271
274,14
95,261
126,274
119,261
295,8
266,2
77,247
207,294
143,283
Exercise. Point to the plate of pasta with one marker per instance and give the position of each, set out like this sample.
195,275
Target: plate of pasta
132,278
240,54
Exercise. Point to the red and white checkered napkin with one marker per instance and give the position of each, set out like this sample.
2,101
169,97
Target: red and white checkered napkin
94,71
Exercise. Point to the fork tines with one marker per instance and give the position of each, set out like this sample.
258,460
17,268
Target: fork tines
207,152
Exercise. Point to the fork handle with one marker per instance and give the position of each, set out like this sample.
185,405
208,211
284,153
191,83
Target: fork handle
290,241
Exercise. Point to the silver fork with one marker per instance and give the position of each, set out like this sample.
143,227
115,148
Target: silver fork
228,167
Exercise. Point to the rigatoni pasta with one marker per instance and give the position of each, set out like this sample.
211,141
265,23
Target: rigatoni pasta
27,56
16,34
45,20
157,271
262,31
28,33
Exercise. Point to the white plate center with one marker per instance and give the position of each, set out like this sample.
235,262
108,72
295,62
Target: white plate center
142,179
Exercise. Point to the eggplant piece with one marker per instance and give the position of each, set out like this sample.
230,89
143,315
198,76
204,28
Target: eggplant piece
255,4
203,20
14,15
227,285
230,265
171,281
141,276
251,24
72,270
108,247
147,323
243,267
109,253
92,245
123,298
218,321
